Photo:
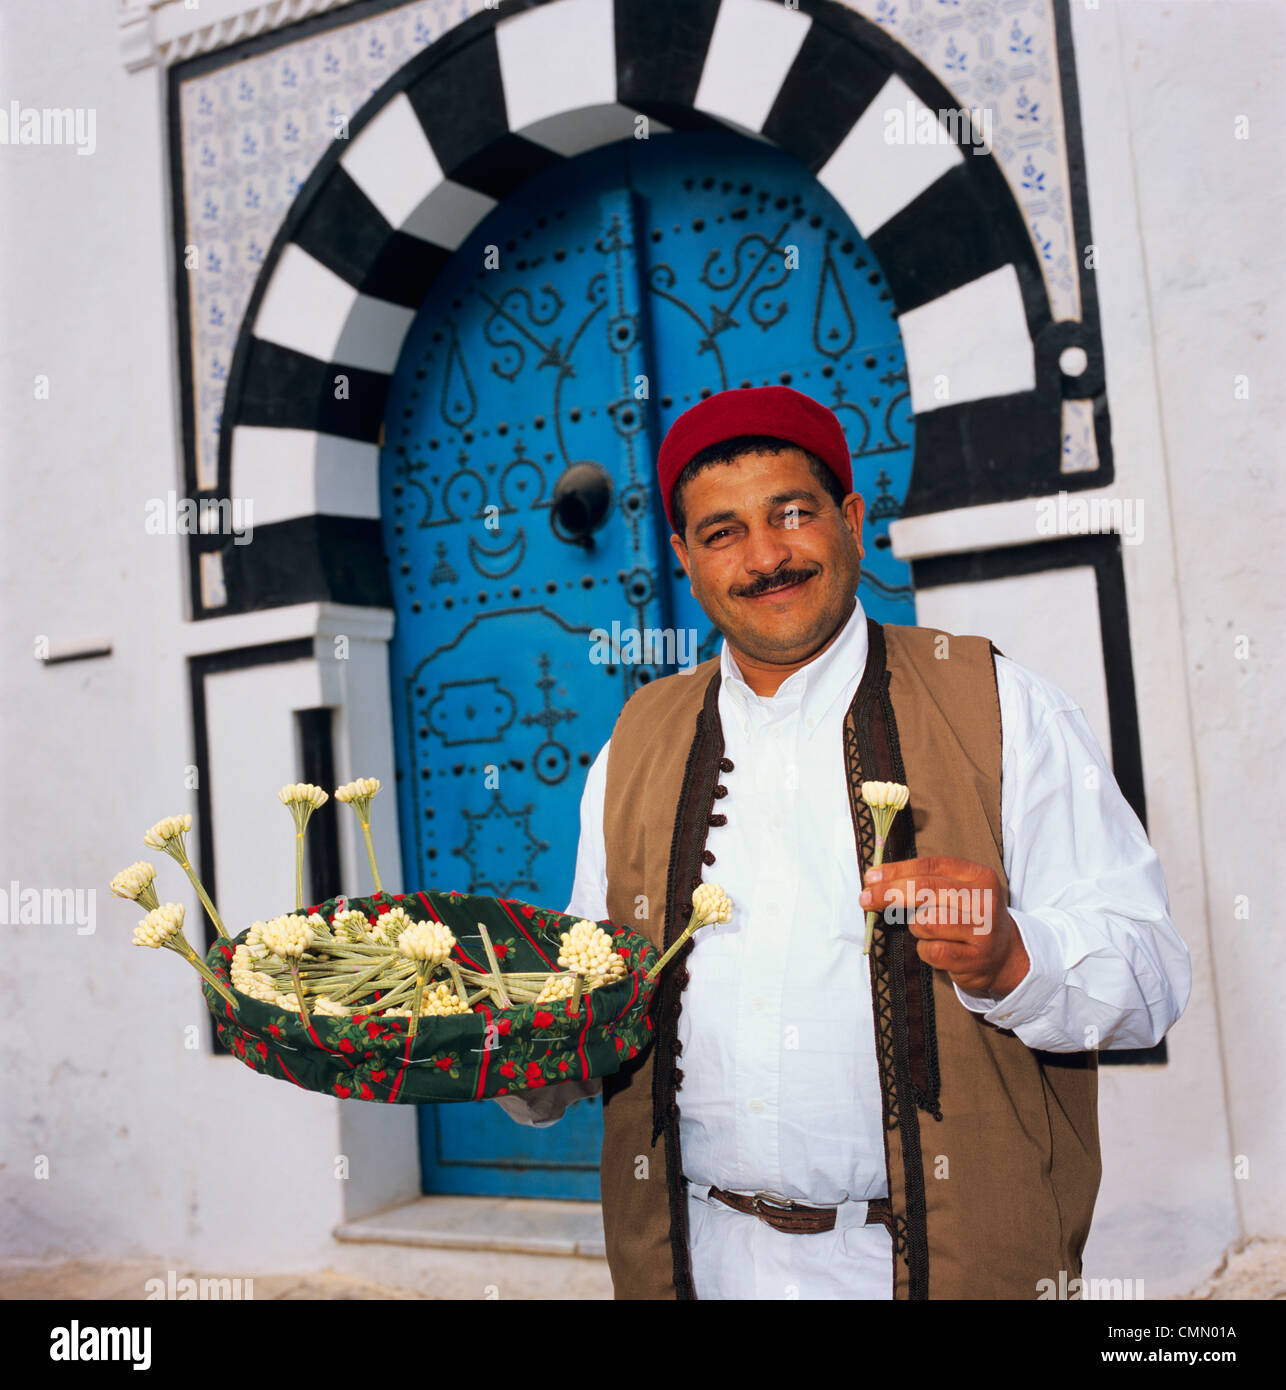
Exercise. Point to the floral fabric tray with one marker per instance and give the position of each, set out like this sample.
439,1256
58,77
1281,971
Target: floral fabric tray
486,1052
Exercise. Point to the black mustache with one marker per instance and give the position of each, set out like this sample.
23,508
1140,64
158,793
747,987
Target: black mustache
776,581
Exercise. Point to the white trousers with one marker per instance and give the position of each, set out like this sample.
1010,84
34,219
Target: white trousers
736,1255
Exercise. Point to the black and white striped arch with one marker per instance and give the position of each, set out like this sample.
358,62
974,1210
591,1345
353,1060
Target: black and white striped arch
520,88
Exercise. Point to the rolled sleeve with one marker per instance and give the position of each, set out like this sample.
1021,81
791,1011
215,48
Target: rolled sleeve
1027,1001
1108,968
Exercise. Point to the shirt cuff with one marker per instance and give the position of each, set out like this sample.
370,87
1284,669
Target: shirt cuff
1027,1001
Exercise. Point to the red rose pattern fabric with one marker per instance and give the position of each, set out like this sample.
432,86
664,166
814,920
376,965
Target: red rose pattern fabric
459,1057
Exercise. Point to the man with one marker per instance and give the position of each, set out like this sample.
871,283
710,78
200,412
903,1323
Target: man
920,1121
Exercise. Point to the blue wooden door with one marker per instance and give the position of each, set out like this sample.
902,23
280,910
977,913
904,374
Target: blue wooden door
521,514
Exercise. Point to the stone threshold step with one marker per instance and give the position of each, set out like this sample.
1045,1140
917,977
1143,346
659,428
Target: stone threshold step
520,1225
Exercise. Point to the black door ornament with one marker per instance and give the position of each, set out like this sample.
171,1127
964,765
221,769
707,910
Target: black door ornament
582,501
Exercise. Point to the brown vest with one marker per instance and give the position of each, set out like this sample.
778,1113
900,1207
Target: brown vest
991,1148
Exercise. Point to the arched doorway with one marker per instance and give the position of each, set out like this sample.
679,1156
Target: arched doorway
572,326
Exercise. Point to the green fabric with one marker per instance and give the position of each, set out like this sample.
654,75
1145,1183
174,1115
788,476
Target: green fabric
473,1056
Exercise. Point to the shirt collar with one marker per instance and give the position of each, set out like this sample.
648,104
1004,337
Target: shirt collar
814,687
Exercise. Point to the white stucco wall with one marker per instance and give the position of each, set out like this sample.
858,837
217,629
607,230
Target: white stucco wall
1211,207
148,1143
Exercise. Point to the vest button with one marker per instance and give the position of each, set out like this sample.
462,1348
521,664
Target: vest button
721,790
707,856
725,764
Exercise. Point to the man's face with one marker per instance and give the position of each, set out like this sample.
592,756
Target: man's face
772,561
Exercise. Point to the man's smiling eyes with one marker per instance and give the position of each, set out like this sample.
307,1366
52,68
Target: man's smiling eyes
790,517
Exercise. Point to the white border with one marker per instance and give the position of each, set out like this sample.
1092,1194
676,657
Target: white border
166,31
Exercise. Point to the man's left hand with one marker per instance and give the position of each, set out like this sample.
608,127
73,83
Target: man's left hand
955,910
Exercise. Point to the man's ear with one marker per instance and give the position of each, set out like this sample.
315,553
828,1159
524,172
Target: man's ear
681,554
854,511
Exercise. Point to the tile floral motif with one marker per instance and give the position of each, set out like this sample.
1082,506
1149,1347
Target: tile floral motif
1002,55
251,133
1080,449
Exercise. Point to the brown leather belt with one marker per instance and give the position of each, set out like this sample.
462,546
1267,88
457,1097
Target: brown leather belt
794,1217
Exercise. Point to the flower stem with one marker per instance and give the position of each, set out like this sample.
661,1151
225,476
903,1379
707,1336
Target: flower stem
397,995
510,977
370,853
361,984
299,870
299,990
883,818
415,1003
184,948
454,971
498,989
205,899
665,959
576,993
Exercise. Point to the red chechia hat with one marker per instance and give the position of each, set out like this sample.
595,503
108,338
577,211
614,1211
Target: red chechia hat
779,411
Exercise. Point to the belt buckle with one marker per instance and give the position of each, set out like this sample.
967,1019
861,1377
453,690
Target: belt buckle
784,1204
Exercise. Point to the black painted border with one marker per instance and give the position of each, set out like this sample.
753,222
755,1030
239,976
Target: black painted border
199,667
1103,553
315,729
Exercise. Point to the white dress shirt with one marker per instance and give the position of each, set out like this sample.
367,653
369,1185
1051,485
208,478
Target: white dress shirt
781,1087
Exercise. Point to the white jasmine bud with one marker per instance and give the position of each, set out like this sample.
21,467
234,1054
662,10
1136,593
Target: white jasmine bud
288,937
431,942
712,903
360,790
892,795
171,828
587,950
159,926
137,884
303,793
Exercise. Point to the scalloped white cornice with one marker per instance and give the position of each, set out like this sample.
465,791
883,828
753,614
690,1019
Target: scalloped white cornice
168,31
